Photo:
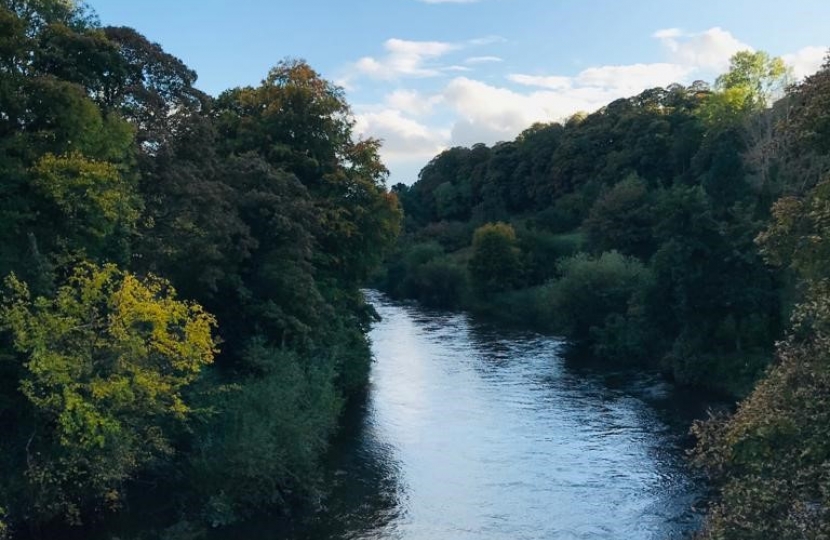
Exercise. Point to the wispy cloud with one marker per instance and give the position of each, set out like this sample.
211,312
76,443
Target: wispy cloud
413,102
403,138
541,81
482,60
405,58
414,59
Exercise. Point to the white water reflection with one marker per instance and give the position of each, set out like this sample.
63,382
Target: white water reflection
476,432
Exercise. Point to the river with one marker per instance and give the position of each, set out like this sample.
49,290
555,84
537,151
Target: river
471,431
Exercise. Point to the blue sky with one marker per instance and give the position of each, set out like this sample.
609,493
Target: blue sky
424,75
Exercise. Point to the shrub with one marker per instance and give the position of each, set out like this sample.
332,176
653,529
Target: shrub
267,435
495,265
440,283
591,289
541,251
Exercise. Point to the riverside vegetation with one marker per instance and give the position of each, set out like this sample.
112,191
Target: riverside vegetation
181,321
181,315
685,228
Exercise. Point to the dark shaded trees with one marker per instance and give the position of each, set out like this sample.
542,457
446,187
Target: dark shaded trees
260,205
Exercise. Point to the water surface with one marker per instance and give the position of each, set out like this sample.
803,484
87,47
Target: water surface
470,431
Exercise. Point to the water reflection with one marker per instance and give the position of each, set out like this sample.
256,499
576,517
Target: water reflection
474,432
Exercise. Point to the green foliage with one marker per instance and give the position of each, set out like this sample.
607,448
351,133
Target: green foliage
495,265
808,126
621,220
542,251
264,440
770,459
762,76
591,290
105,364
260,205
440,283
91,197
566,213
452,235
4,528
425,274
798,236
753,82
727,108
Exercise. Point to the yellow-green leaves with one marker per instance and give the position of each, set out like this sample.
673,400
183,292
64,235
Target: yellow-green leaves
92,195
754,81
106,361
761,76
108,344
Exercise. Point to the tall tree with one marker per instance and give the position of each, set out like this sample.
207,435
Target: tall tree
105,364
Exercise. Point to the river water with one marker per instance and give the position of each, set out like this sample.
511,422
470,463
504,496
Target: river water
471,431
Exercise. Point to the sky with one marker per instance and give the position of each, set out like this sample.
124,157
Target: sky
426,75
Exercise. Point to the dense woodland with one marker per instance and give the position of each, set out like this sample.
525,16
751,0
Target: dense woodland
181,320
181,316
685,228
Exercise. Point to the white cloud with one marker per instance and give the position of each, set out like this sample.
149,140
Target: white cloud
412,102
487,40
541,81
709,50
633,78
617,79
482,60
403,138
668,33
806,61
405,58
488,114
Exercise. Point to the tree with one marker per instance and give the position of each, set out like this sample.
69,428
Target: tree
769,460
105,363
495,264
622,219
762,77
90,201
754,81
593,289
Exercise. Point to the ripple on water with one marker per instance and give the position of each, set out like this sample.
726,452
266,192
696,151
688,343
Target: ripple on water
475,432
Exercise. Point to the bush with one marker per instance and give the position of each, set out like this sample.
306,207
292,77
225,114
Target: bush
523,307
591,289
495,265
770,458
541,251
397,279
267,436
439,283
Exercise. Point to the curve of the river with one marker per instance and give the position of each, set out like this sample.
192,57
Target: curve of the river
470,431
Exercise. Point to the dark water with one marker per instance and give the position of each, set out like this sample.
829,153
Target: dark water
475,432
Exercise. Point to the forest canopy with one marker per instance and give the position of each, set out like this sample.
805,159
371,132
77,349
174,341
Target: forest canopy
173,265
